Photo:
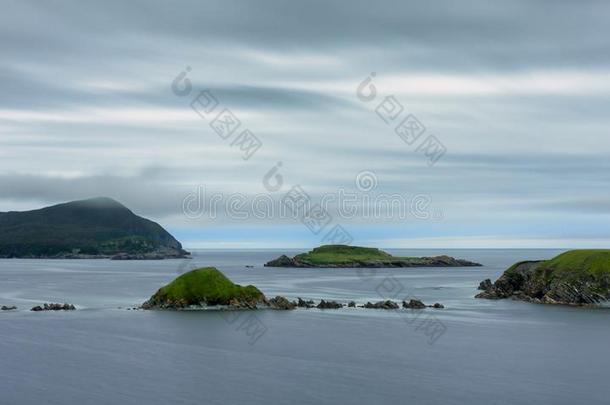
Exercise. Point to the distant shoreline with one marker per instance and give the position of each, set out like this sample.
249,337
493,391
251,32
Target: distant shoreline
118,257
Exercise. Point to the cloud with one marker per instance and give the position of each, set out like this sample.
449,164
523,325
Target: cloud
518,94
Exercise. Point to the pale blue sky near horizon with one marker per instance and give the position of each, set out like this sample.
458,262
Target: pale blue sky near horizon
518,92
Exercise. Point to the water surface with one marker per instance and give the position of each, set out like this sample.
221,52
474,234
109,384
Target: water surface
472,352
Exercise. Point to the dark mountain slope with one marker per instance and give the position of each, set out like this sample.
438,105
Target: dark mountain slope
98,226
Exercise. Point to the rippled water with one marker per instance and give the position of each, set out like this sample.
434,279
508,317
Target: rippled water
472,352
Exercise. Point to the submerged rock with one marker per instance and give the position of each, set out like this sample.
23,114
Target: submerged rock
5,308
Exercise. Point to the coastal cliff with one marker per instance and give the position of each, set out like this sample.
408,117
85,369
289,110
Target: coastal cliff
576,277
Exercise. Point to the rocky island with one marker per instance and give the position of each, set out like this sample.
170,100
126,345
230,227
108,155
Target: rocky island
355,256
93,228
576,277
208,288
53,307
205,287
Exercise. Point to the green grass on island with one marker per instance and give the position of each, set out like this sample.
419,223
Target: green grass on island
339,254
576,277
205,285
590,264
356,256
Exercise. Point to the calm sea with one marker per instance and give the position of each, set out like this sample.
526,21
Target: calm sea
472,352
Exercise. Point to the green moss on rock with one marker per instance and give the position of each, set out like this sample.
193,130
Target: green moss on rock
339,254
204,287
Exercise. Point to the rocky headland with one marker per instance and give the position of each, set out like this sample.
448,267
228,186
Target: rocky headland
576,277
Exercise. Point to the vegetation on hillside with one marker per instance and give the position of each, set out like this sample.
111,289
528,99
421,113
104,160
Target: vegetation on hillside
99,226
576,267
356,256
338,254
204,286
574,277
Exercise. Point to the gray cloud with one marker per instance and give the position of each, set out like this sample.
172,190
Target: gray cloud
517,91
474,34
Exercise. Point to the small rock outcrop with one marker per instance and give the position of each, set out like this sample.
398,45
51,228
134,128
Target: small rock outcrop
54,307
281,303
382,305
512,281
305,304
413,304
485,285
6,308
329,305
282,261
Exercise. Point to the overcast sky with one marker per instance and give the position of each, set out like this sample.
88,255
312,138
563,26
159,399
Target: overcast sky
517,92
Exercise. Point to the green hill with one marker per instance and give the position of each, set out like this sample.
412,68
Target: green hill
204,287
98,226
341,254
578,277
356,256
